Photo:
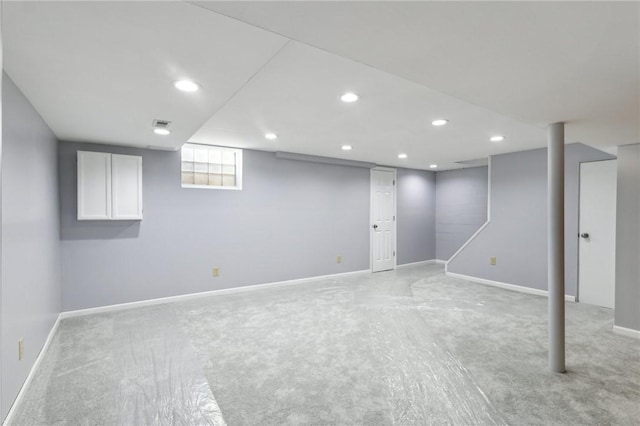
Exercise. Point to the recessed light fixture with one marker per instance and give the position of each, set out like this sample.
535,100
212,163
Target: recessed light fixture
161,131
497,138
433,166
439,122
271,136
346,147
402,156
186,86
161,127
349,97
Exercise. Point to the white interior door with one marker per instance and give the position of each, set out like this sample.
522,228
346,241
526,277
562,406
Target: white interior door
597,233
383,219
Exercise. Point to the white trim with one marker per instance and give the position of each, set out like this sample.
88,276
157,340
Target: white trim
226,188
396,185
629,332
475,234
424,262
507,286
489,188
32,372
421,262
182,297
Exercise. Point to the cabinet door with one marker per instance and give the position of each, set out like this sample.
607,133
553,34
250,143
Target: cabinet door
126,187
94,185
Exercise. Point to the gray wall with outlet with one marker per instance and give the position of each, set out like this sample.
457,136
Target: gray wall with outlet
31,288
291,220
516,234
461,207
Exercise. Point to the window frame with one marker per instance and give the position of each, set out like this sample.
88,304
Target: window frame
238,167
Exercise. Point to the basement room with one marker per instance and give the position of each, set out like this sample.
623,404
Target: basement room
320,213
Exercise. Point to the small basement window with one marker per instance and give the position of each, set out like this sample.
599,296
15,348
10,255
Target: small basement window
207,166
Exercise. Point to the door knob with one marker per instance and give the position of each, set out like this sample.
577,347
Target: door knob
584,235
375,226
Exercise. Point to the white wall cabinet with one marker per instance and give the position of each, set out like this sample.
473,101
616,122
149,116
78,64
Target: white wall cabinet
126,187
109,186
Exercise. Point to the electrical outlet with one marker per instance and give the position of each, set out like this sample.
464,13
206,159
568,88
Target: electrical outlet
492,260
339,259
216,271
20,349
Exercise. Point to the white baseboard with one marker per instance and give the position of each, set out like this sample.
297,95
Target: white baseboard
182,297
422,262
629,332
32,372
507,286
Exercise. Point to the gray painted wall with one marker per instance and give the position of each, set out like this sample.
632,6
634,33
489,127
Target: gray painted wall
2,412
290,221
416,215
627,313
31,291
461,207
517,233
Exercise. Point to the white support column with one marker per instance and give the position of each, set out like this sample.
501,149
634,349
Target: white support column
555,253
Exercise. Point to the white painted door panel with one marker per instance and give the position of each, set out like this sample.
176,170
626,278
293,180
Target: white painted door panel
94,185
597,233
383,211
126,187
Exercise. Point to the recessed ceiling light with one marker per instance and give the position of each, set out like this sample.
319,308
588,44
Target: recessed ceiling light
439,122
161,131
433,166
271,136
497,138
402,155
349,97
346,147
186,86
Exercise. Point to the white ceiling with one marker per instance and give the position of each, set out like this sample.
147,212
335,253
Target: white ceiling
539,62
296,95
102,71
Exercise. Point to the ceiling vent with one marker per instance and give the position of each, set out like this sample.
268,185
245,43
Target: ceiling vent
161,124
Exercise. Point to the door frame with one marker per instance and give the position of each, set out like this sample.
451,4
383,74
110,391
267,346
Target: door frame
578,286
395,215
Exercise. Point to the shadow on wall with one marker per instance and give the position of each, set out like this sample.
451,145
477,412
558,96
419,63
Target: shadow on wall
102,229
